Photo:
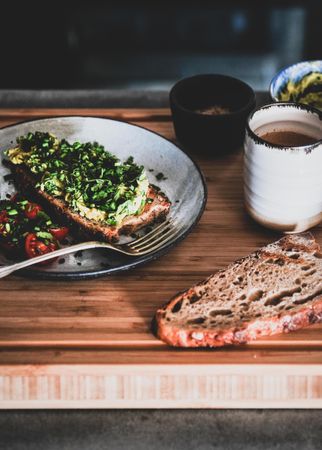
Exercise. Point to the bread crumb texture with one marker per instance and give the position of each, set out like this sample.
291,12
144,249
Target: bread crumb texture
276,289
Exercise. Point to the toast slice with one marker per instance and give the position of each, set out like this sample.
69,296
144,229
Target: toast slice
154,211
274,290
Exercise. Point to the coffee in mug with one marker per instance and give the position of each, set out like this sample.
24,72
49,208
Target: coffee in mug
282,166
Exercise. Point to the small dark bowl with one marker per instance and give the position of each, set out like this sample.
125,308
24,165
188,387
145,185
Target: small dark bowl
211,133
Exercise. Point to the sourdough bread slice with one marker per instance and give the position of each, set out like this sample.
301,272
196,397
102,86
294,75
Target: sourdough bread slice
154,211
274,290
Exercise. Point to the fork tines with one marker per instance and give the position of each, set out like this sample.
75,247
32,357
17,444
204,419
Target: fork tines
156,238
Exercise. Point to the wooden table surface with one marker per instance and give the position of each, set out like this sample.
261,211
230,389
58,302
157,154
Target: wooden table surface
89,344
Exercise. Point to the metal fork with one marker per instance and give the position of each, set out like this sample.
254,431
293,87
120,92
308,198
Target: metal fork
152,241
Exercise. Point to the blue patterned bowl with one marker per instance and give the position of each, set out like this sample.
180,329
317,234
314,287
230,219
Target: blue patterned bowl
300,83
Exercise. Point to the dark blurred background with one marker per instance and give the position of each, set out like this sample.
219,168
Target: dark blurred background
139,44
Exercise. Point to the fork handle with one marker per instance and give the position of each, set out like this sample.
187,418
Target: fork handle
7,270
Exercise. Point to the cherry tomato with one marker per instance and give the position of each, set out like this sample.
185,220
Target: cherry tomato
35,247
32,210
59,233
3,216
3,220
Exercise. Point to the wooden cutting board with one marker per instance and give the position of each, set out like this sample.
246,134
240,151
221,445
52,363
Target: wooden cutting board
88,343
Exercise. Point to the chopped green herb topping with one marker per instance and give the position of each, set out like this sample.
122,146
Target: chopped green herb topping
91,180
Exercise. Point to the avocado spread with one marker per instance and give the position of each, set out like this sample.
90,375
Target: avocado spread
307,90
92,181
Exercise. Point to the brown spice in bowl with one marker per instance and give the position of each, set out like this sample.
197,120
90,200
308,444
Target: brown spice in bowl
214,110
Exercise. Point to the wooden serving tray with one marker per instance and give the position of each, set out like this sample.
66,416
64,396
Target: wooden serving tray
88,344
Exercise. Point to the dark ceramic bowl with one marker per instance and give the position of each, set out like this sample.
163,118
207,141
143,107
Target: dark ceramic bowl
208,132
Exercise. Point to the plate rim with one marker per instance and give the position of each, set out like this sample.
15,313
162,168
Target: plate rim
60,276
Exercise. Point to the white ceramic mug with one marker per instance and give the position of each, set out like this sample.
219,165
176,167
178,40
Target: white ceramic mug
283,185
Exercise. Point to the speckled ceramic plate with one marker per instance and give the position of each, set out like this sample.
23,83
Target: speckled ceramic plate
183,183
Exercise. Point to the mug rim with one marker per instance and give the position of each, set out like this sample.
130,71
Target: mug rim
310,109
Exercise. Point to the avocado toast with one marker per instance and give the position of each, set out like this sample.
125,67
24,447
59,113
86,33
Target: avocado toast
87,187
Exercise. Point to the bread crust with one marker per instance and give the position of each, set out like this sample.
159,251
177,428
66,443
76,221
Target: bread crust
287,322
299,317
153,212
